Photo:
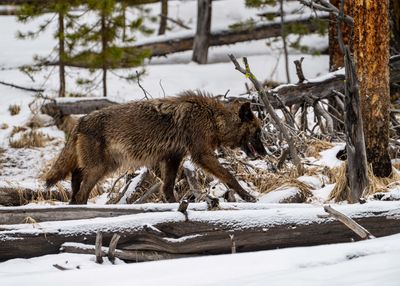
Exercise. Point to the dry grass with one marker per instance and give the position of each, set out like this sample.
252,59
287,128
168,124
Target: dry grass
30,140
315,146
266,181
14,109
3,126
341,190
17,129
2,159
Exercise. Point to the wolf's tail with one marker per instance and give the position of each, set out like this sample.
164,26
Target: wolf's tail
65,163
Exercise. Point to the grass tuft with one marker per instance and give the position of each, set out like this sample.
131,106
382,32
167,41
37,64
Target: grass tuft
30,140
14,109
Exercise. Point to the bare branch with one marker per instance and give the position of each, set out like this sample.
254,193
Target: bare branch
349,222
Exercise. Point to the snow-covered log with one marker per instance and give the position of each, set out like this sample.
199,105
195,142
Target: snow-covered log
67,106
17,215
204,232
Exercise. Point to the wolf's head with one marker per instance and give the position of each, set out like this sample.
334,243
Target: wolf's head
244,131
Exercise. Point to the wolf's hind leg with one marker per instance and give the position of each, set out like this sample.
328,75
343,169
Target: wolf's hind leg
75,184
169,169
90,178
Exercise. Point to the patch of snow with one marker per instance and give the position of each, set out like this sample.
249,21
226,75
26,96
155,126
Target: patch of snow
279,195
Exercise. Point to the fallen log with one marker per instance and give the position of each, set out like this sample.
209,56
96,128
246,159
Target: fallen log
290,94
62,106
18,215
166,44
128,255
203,232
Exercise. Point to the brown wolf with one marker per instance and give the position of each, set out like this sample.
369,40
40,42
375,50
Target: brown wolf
159,132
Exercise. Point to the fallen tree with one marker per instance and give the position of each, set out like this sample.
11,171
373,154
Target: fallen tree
202,232
164,45
291,94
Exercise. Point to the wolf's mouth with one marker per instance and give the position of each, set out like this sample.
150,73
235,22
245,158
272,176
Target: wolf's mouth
253,153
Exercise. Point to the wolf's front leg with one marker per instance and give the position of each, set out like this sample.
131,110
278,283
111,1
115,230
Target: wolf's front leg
211,164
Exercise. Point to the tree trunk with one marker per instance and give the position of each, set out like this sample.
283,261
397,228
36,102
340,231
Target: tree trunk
371,46
163,17
284,42
395,27
336,57
61,53
104,52
202,39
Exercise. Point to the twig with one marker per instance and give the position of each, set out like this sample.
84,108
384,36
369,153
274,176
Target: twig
264,98
22,87
299,69
349,222
98,250
154,189
62,268
178,22
112,247
183,208
233,243
115,182
141,87
323,5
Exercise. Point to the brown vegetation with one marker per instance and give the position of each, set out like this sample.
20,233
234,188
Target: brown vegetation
30,139
14,109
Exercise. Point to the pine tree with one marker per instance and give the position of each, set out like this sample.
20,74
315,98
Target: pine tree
100,40
60,8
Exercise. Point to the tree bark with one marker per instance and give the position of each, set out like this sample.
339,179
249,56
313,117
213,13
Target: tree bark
61,53
336,57
395,27
104,41
202,38
371,46
163,18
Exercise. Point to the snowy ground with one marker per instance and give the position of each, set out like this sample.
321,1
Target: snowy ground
174,73
362,263
373,262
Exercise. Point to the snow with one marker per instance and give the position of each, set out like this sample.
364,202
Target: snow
372,262
362,263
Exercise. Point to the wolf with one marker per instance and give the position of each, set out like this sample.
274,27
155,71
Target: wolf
157,132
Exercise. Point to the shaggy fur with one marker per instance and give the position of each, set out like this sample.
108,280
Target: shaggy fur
159,132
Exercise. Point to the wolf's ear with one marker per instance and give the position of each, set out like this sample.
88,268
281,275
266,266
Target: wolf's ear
245,112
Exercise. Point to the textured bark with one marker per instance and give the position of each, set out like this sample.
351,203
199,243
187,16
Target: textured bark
371,46
335,55
104,41
202,39
395,27
61,54
163,18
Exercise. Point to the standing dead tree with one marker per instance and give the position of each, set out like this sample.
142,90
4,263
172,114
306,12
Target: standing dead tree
202,39
265,100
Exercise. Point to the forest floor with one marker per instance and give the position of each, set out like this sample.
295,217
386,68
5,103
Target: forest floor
362,263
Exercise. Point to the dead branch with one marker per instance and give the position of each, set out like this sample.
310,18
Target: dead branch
22,87
177,22
325,6
350,223
112,247
264,98
299,70
98,245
